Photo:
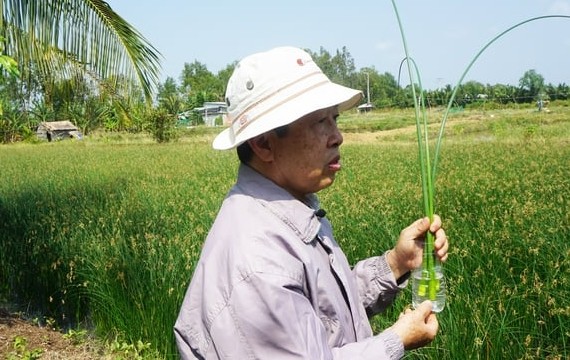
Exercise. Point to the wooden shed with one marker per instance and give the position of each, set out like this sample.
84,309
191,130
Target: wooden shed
58,130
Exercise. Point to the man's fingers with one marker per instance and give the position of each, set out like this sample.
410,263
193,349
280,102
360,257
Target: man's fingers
435,224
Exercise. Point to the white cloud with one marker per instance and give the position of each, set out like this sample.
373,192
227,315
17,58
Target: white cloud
559,7
383,45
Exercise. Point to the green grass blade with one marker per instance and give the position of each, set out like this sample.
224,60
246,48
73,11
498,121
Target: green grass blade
456,88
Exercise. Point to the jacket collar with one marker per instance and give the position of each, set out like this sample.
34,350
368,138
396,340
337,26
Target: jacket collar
298,215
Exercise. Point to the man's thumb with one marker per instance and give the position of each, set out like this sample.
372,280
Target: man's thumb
425,308
422,225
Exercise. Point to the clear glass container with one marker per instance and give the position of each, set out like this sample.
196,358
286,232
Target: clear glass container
429,285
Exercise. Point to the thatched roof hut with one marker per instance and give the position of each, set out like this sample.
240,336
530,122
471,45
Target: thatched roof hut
58,130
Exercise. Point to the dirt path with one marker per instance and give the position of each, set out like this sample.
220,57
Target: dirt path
19,337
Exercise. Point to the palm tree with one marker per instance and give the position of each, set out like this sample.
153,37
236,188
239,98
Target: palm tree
67,39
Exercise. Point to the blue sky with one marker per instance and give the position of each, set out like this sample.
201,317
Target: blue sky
443,36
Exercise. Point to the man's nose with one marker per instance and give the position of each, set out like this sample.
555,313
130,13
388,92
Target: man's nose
336,138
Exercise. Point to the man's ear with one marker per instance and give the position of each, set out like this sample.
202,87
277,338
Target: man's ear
261,146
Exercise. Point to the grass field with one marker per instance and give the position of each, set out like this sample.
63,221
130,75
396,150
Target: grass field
104,233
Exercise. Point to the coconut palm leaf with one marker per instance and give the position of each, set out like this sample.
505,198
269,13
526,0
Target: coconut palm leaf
56,37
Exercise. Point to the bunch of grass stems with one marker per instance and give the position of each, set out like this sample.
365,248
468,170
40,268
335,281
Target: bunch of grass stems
429,284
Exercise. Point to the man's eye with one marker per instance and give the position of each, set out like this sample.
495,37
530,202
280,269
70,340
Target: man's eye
326,118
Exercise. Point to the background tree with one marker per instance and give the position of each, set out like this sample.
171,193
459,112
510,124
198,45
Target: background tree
323,60
344,68
467,92
339,68
499,94
562,92
8,68
531,85
198,85
383,87
439,96
167,89
223,77
169,98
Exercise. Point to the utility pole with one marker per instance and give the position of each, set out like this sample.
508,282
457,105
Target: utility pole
368,87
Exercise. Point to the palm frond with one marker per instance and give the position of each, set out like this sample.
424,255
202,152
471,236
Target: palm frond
53,34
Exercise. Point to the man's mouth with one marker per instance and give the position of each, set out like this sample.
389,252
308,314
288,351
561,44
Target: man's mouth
335,165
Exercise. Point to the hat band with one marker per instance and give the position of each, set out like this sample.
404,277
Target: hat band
245,118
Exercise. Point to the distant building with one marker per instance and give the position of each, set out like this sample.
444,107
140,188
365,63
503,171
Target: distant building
211,111
58,130
365,107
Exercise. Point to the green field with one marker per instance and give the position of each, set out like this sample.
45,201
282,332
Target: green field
104,233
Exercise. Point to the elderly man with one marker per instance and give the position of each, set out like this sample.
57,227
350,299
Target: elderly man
271,282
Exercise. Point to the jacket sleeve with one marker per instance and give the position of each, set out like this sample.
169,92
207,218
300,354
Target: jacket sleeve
268,317
376,284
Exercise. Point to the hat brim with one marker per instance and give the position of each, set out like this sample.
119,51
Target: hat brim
321,97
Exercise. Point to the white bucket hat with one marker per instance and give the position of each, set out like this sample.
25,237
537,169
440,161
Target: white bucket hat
274,88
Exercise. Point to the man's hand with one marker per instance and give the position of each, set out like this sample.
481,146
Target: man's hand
416,328
408,252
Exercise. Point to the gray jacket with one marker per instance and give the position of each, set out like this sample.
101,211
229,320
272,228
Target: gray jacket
272,283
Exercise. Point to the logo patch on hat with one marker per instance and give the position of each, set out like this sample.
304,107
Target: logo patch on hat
300,62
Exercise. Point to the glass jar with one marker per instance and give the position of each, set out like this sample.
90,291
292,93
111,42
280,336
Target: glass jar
429,285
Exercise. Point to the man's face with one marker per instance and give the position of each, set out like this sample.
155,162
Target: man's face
307,158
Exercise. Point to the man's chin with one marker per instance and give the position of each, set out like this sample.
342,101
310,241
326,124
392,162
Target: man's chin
326,182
